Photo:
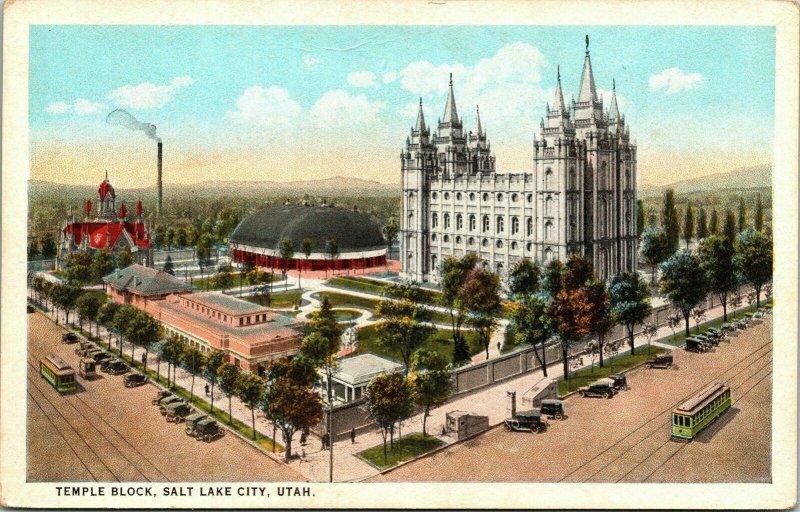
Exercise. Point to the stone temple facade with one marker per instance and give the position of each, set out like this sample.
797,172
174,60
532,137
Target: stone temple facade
579,199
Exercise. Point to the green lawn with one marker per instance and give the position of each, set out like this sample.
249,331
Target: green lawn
618,364
441,341
208,282
357,284
346,315
404,449
679,339
339,300
278,299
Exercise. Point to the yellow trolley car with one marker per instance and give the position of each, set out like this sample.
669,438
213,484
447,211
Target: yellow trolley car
58,373
699,411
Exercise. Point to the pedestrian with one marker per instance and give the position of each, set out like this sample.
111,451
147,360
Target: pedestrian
324,441
498,346
144,358
303,438
208,390
353,436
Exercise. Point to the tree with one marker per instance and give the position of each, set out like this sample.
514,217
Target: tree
655,249
261,280
307,247
730,226
673,322
122,319
214,360
641,214
251,392
169,267
125,258
523,278
102,264
88,305
48,244
688,225
480,295
33,249
332,248
105,316
716,259
292,405
454,273
402,329
228,378
431,381
754,259
553,278
171,351
683,283
630,302
224,278
669,220
78,268
649,331
758,221
702,224
160,236
742,215
713,224
170,237
287,253
699,314
203,251
192,235
193,360
66,297
533,325
389,400
143,330
600,319
181,237
390,231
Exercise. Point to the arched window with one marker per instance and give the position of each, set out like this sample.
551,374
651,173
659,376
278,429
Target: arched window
434,196
514,246
473,223
499,268
434,261
470,241
472,196
446,221
548,179
499,197
514,225
529,198
529,247
485,242
499,244
458,196
433,237
410,219
411,195
485,265
514,198
485,197
459,221
458,239
485,222
548,230
548,255
434,220
445,239
500,224
529,227
548,206
447,196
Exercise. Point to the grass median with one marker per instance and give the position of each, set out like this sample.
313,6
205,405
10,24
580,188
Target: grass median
404,449
617,364
679,338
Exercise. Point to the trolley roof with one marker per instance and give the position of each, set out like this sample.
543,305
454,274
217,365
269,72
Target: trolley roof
57,363
699,400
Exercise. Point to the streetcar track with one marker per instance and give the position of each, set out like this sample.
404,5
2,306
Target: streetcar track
746,359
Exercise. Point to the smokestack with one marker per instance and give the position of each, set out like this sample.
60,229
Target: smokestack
158,209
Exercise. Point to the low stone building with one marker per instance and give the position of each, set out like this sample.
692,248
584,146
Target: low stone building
353,375
138,286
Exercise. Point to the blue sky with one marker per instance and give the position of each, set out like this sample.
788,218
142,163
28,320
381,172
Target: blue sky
295,102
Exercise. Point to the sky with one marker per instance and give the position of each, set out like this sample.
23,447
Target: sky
290,103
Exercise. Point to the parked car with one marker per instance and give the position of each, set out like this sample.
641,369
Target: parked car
695,345
620,381
160,396
169,401
116,367
135,379
101,357
553,408
526,421
208,430
603,388
31,309
662,361
69,337
83,347
177,412
191,423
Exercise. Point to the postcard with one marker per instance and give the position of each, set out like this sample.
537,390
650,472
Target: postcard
388,254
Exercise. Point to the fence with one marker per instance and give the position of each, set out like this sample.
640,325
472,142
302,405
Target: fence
41,265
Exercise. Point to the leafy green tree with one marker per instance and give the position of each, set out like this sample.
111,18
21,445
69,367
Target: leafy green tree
758,221
78,268
730,226
192,236
203,251
125,258
742,215
332,248
524,277
683,283
431,381
88,305
181,237
641,214
390,231
570,308
655,249
228,375
33,249
251,392
160,236
105,316
454,273
630,302
193,360
702,224
102,264
287,253
713,224
480,295
169,267
534,326
688,225
716,259
48,244
171,351
170,237
143,330
389,401
754,259
553,278
122,319
601,321
214,360
67,296
224,278
261,281
402,329
292,405
669,220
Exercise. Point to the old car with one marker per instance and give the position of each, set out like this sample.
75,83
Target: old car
620,381
116,367
135,379
552,408
191,423
526,421
177,412
31,309
603,388
160,396
87,368
208,430
168,401
101,357
83,347
695,345
69,337
662,361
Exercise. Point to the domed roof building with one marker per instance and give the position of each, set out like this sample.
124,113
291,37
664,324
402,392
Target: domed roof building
258,239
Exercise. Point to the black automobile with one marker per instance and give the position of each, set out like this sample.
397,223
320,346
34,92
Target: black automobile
603,388
31,309
526,421
620,382
101,357
115,367
160,396
135,379
553,409
663,361
69,337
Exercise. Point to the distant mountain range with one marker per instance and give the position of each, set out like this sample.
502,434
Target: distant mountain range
755,176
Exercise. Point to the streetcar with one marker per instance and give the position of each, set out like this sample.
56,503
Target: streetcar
58,373
699,411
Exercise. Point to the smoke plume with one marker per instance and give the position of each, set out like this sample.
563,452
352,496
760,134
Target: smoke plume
124,118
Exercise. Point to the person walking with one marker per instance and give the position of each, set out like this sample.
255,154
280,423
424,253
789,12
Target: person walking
208,390
353,436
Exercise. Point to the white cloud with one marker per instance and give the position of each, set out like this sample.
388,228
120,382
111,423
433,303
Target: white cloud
337,108
269,107
85,107
310,62
674,80
389,77
147,95
362,79
58,107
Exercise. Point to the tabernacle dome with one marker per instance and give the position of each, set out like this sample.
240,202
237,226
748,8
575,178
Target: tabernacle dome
258,238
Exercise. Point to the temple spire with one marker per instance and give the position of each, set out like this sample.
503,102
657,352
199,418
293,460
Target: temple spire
558,103
420,119
613,113
478,127
588,91
450,112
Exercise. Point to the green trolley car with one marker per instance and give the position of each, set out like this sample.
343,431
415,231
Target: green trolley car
699,411
58,373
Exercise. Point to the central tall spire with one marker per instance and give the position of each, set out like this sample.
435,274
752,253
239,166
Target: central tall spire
450,112
420,119
588,90
558,102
